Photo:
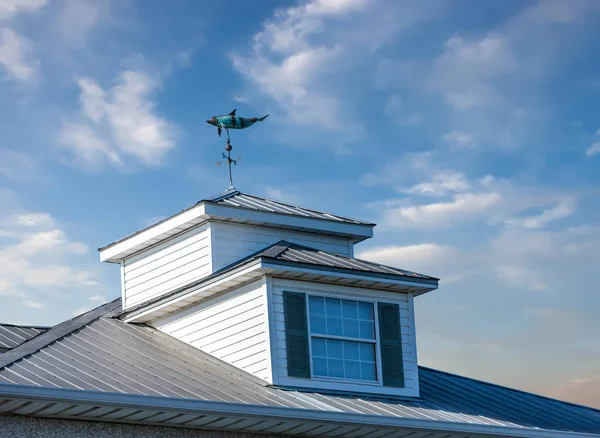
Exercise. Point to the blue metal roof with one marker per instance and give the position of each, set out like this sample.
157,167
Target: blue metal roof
12,335
235,198
96,352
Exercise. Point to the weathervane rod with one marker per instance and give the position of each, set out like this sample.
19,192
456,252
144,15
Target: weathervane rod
227,122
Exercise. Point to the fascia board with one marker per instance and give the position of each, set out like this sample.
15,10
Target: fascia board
114,251
119,400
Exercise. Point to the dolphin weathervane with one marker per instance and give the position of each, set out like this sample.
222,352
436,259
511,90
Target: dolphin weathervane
231,121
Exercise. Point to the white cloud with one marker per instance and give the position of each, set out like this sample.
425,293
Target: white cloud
561,210
77,18
16,57
445,262
593,149
33,304
464,72
8,8
301,54
37,259
16,166
519,277
119,123
460,139
442,184
464,206
31,220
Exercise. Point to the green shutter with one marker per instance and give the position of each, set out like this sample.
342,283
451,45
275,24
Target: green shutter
390,344
296,334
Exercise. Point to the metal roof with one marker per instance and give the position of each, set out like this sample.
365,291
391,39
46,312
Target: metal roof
96,352
12,336
291,252
235,198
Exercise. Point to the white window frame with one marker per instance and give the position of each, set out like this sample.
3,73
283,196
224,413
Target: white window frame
379,381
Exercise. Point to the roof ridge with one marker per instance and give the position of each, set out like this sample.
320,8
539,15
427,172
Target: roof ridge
37,327
313,210
220,196
508,388
57,332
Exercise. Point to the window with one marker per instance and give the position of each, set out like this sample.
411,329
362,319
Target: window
343,338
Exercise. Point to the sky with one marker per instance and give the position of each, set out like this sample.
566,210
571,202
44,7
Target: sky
467,130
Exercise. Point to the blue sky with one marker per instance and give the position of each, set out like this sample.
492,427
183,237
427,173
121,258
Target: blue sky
467,130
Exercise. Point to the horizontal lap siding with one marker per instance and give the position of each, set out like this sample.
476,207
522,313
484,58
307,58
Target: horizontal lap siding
406,323
233,241
167,266
231,327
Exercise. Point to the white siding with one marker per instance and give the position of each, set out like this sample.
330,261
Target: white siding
279,345
232,326
167,266
232,242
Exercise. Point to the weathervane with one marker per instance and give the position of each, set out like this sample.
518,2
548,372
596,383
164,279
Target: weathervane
227,122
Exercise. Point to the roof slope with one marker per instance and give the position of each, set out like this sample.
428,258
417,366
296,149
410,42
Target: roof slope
12,336
235,198
294,253
101,353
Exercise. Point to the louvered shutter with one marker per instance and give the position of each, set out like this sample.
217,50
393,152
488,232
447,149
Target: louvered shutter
390,344
296,334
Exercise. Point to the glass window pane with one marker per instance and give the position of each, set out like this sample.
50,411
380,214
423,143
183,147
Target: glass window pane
319,347
351,328
319,366
352,369
317,324
349,309
317,305
335,367
367,371
351,350
334,326
367,352
333,307
334,348
367,329
365,310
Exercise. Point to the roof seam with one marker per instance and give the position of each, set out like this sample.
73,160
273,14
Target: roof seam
56,333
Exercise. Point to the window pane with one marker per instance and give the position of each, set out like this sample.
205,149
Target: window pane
335,367
317,305
349,309
334,326
317,324
332,317
367,352
333,307
367,371
365,310
320,366
351,328
352,369
367,329
319,347
334,348
351,350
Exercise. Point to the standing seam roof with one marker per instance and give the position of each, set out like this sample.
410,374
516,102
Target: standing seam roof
238,199
102,353
12,336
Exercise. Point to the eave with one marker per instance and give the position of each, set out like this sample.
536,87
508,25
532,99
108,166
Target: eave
200,414
255,268
200,213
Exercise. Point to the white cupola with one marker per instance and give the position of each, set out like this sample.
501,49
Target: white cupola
275,290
